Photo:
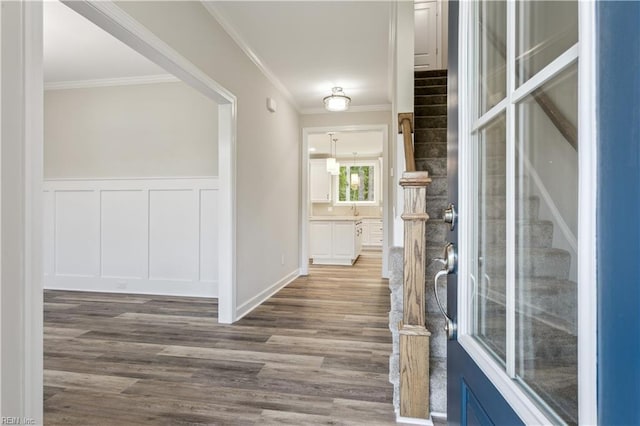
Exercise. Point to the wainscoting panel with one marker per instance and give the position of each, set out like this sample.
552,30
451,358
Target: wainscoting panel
147,236
173,235
124,234
77,233
208,235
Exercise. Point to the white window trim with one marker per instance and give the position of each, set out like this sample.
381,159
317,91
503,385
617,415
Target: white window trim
521,402
376,177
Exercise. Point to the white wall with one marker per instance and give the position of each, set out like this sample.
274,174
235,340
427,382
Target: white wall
148,236
268,145
403,72
147,130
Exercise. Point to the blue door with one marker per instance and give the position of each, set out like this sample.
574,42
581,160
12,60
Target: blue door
618,37
516,171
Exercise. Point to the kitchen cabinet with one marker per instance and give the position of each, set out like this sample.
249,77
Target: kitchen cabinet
335,242
372,232
319,181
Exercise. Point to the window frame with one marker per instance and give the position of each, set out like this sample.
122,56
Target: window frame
469,124
376,178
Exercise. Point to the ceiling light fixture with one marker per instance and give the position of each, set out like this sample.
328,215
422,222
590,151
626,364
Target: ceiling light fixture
355,177
333,166
337,101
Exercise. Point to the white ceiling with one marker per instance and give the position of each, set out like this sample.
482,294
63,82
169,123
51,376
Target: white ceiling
365,144
77,50
305,47
312,46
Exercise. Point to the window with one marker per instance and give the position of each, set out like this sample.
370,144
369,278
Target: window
357,183
519,258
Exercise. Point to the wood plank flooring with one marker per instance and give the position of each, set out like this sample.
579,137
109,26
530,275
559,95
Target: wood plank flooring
315,353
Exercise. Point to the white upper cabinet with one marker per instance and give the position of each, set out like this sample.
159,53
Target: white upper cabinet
319,181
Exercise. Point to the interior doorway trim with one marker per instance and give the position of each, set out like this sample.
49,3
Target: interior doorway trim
23,280
119,24
304,199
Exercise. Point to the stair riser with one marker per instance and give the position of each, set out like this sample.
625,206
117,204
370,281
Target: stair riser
537,339
431,81
438,186
437,122
430,135
430,100
495,208
430,110
430,73
436,232
536,234
430,150
434,90
536,263
435,166
436,206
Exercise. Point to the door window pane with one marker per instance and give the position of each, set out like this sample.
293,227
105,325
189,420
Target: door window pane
546,231
545,30
491,60
488,280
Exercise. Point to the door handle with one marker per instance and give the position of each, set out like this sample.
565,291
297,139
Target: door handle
450,216
448,266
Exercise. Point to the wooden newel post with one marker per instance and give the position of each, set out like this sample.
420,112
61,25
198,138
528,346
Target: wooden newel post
414,336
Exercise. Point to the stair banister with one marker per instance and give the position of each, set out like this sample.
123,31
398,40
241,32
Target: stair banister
405,126
414,336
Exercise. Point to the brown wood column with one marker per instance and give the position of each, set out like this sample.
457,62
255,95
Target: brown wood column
414,337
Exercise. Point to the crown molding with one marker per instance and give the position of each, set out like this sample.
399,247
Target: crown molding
108,82
358,108
229,29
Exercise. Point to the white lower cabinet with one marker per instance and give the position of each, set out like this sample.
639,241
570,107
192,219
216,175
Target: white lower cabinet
335,242
372,232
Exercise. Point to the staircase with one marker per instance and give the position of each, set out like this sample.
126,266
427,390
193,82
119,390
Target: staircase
430,147
546,343
546,320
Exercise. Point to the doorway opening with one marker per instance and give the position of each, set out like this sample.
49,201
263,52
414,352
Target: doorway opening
343,210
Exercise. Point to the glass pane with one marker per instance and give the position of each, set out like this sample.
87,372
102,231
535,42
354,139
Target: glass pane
546,240
490,240
545,30
491,59
356,184
342,184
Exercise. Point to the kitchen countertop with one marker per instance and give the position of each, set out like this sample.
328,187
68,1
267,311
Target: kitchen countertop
342,218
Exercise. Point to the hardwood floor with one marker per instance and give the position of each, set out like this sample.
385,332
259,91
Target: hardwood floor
315,353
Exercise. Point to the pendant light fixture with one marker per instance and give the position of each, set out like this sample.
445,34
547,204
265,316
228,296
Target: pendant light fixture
354,179
337,101
333,166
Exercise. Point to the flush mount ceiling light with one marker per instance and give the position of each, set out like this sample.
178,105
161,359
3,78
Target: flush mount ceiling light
337,101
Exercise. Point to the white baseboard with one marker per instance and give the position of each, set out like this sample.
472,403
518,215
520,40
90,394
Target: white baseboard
132,286
413,420
259,298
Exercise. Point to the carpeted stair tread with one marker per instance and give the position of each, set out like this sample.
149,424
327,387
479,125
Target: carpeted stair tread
430,73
